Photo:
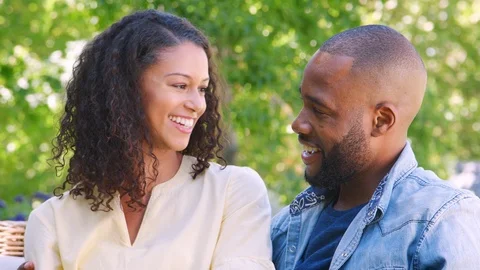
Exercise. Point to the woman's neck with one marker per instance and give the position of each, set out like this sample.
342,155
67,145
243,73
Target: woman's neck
167,166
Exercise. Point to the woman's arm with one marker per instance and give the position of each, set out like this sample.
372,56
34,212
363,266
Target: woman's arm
41,245
244,240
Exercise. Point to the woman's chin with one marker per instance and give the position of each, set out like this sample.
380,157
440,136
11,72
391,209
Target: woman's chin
180,147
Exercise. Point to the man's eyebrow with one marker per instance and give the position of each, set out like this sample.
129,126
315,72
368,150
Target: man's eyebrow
184,75
316,101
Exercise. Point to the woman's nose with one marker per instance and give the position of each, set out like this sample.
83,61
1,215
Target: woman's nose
196,102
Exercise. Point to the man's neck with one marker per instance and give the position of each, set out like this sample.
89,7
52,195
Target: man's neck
356,192
361,187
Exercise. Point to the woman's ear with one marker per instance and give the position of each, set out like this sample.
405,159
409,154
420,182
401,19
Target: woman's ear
384,119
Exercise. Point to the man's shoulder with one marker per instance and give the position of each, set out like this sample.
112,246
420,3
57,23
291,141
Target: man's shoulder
420,197
421,182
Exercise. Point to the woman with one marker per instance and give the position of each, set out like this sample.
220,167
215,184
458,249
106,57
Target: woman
142,121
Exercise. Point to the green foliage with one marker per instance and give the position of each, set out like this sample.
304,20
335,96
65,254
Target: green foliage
262,47
20,207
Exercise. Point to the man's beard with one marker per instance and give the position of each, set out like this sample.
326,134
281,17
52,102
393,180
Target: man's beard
344,160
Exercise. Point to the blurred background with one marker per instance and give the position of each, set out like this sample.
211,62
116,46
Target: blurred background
262,48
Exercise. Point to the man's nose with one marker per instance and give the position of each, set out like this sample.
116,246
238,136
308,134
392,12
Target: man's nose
301,125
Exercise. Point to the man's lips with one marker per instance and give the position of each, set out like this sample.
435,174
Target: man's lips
309,158
310,153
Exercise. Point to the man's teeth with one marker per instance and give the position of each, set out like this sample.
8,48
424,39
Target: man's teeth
182,121
310,150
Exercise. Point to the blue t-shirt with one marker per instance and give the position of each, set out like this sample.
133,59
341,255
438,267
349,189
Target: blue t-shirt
325,237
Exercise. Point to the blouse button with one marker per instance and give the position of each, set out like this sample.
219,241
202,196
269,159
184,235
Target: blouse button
292,248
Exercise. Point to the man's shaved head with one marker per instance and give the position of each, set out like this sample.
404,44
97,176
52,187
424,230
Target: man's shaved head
386,63
374,45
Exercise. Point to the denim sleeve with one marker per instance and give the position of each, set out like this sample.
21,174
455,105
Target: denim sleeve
452,238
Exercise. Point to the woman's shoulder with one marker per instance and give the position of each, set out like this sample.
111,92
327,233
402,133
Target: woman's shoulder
244,188
242,183
232,176
234,173
45,212
60,204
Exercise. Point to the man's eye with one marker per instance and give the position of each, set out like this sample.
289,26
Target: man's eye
318,112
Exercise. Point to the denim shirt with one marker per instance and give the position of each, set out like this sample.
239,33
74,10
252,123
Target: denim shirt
414,220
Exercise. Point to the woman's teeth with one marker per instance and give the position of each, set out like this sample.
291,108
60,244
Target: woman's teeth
182,121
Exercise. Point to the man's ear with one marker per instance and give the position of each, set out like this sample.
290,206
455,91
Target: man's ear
384,119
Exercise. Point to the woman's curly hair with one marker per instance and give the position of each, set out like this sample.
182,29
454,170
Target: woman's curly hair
104,124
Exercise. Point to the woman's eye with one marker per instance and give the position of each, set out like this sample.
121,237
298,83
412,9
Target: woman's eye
180,86
204,89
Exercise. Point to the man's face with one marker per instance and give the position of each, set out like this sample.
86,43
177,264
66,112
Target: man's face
331,123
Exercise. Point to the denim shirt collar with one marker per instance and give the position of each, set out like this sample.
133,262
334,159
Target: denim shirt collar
378,204
307,199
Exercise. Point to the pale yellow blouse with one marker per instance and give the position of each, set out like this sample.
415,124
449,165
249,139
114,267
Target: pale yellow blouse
220,220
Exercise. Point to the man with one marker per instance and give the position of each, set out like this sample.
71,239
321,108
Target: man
369,205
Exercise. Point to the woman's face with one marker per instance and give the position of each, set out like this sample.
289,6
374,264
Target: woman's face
174,94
